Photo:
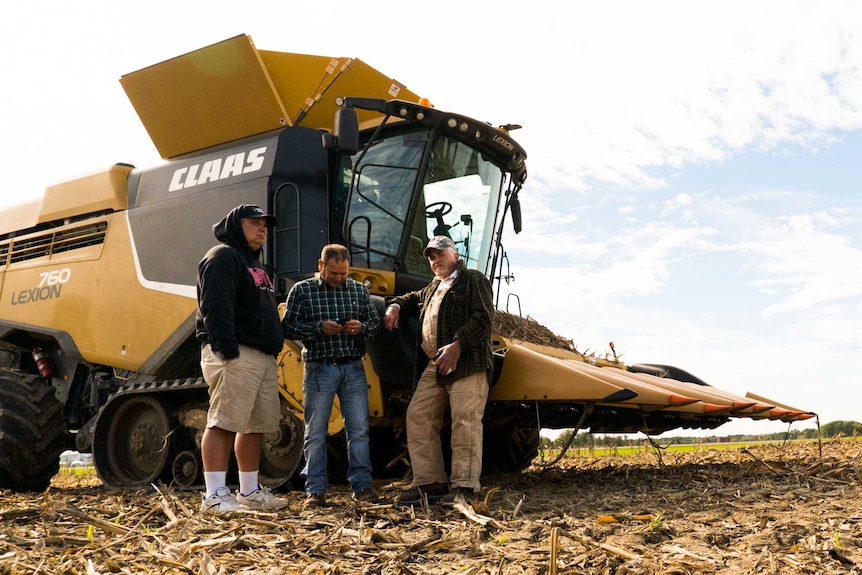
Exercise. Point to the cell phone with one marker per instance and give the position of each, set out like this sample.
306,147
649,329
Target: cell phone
343,321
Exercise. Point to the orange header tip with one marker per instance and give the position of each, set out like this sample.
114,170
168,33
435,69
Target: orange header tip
425,102
740,405
759,407
676,400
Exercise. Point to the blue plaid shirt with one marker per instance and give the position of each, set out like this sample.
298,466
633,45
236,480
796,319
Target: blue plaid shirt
310,302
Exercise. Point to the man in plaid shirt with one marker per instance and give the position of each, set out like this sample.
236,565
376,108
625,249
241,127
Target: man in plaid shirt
333,316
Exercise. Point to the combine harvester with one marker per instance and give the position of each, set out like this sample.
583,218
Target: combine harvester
97,280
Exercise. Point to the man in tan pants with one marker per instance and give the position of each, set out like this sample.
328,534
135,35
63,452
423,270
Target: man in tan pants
454,362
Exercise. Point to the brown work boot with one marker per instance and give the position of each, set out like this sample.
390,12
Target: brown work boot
414,496
366,496
314,501
457,493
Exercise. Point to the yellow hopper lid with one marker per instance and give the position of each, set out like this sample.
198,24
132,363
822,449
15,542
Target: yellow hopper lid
231,90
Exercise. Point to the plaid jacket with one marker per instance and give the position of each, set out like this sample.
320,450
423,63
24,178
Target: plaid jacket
466,313
310,302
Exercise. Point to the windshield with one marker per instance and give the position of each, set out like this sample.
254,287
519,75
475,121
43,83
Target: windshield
394,209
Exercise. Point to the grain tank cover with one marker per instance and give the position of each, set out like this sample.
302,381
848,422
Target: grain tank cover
231,90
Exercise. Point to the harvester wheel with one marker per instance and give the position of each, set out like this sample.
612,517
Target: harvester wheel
33,433
186,469
133,451
282,449
509,448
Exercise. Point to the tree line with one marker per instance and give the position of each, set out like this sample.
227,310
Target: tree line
827,431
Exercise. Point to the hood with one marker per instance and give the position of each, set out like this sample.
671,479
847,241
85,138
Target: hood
229,230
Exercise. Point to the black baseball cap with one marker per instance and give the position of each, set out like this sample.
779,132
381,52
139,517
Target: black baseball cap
253,211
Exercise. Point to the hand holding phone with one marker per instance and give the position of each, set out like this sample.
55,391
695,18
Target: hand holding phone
350,326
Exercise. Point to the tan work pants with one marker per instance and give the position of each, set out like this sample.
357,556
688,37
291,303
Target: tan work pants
466,397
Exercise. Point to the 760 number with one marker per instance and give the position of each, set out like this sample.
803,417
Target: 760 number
55,277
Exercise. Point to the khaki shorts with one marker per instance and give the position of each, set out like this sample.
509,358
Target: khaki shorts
244,393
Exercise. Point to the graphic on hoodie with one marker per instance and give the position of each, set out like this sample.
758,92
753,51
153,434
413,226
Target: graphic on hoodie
261,279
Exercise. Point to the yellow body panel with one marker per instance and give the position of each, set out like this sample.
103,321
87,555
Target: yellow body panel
93,193
375,393
378,282
348,77
290,370
101,191
299,79
652,393
531,376
205,98
96,297
567,354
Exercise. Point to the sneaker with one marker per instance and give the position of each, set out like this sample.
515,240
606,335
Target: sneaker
456,493
261,499
221,502
366,496
432,491
314,501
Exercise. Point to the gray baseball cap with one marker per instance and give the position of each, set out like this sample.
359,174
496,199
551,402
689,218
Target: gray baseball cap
438,243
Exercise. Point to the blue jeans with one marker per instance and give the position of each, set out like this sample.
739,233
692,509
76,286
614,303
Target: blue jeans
321,383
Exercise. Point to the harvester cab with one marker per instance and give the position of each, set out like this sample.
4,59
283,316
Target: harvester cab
430,174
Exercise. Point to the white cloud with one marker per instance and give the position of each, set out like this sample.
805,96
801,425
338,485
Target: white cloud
804,265
716,79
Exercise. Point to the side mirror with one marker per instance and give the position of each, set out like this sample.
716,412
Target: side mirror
345,132
515,206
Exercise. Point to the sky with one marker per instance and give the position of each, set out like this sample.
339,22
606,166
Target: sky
693,167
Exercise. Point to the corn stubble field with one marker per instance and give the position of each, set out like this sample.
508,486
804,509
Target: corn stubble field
791,508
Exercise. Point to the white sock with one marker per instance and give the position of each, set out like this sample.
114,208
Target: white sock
248,482
214,481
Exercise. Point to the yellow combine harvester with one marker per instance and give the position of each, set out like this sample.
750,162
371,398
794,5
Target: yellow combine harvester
97,280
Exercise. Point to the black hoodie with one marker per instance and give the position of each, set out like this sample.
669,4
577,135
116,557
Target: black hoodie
236,297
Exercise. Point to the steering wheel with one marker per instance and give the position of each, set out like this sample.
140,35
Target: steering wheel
444,208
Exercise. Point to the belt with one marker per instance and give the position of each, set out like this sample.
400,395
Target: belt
337,360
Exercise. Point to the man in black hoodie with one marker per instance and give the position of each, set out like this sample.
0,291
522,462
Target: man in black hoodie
240,334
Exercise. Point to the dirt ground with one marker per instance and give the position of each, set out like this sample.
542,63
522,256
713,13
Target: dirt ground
792,508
